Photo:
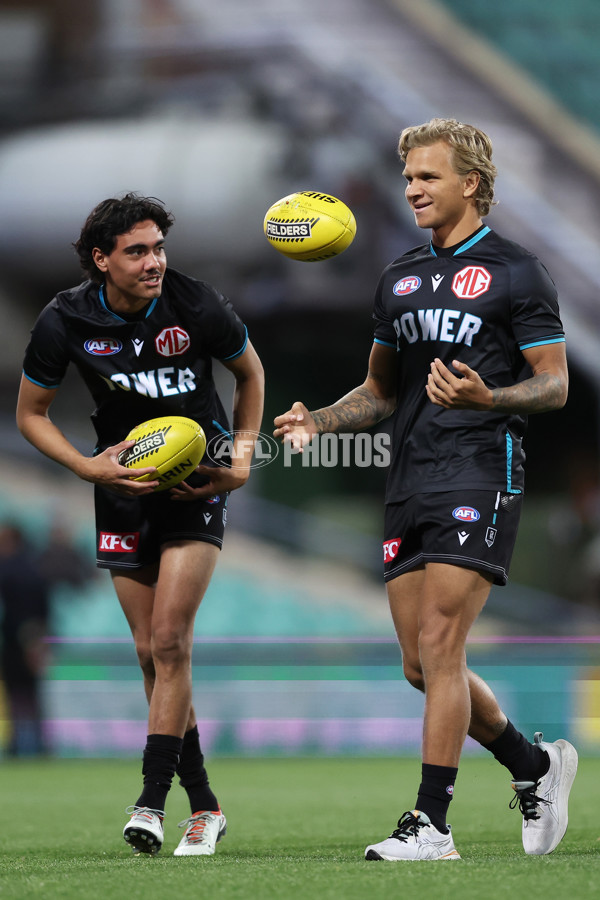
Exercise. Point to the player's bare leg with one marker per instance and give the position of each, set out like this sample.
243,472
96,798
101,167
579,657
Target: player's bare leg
136,595
185,571
487,721
433,609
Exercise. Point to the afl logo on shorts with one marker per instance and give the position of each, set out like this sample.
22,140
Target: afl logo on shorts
103,346
466,514
390,549
407,285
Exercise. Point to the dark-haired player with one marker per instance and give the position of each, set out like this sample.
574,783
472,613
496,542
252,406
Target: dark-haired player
468,341
143,338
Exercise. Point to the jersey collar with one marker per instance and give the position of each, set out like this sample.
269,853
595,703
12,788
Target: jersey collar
120,318
464,245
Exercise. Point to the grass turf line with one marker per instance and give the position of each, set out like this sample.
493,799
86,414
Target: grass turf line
297,829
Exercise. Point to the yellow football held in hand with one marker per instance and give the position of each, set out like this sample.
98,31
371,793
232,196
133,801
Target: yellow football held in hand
309,226
173,444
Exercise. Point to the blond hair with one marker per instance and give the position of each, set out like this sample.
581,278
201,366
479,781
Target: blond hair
472,152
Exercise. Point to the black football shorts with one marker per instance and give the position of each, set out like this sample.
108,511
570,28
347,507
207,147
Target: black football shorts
473,529
131,530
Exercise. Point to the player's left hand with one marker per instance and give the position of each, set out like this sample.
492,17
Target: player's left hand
221,480
463,391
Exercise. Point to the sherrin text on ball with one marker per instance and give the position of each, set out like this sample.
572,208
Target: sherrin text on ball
173,444
309,226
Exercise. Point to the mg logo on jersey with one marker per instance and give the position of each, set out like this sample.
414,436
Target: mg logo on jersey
390,549
118,543
466,514
172,341
471,282
103,346
407,285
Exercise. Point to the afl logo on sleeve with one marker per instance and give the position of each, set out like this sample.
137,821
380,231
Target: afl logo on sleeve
407,285
472,282
103,346
172,341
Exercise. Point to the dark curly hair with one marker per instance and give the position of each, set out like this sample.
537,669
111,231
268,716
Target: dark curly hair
113,217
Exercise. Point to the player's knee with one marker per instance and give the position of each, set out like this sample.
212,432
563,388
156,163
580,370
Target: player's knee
441,641
145,659
413,674
170,647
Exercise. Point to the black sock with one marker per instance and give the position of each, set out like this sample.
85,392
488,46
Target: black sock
435,793
192,774
161,756
524,761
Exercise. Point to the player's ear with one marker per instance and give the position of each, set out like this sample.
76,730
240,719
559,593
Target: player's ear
471,183
99,258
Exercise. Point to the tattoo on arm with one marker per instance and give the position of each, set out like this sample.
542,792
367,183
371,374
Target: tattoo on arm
541,393
358,409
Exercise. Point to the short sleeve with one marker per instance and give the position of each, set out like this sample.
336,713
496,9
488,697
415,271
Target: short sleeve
535,313
46,356
227,334
384,332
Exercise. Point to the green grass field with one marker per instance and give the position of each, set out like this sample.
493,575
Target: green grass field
297,829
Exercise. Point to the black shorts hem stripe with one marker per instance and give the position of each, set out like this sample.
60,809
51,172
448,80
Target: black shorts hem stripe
206,538
187,536
463,562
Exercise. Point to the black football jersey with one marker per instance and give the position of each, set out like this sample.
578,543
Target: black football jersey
481,302
155,364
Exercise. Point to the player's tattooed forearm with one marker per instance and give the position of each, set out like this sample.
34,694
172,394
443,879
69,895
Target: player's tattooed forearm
358,409
539,394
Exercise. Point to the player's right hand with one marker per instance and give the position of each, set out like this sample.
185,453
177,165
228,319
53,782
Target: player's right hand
296,427
106,470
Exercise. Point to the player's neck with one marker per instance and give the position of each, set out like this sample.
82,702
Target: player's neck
121,303
452,233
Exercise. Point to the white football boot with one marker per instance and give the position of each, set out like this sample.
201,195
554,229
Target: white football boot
202,833
414,838
545,803
144,831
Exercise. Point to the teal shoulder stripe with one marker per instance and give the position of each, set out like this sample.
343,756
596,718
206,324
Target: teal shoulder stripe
473,240
385,343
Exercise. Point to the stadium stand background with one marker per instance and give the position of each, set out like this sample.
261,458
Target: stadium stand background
555,43
235,105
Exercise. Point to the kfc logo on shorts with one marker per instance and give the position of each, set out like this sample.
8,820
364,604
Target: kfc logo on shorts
407,285
390,549
466,514
172,341
472,282
118,543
